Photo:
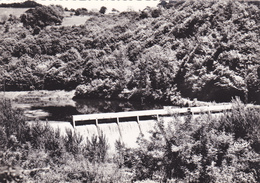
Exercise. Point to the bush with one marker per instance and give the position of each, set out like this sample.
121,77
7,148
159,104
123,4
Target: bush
73,142
42,16
12,123
202,149
96,149
38,153
243,122
103,10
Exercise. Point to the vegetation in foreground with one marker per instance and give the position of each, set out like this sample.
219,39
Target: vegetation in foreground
204,149
207,50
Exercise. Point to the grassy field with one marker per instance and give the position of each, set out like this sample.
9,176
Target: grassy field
67,21
39,98
74,20
14,11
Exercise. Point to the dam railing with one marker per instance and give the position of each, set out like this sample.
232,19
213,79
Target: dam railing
168,110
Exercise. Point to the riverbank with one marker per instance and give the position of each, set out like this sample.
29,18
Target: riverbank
25,99
35,104
45,94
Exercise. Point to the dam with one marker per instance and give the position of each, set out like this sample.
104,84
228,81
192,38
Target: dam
128,126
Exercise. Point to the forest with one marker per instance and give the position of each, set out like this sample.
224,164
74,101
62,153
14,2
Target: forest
205,50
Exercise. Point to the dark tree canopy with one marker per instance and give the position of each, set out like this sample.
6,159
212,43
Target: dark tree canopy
26,4
42,16
81,11
103,10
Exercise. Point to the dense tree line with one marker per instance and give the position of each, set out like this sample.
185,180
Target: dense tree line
204,50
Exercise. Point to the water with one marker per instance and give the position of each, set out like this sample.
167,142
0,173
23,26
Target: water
126,132
111,132
146,127
130,132
56,112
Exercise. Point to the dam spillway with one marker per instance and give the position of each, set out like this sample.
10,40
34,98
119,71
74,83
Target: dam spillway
127,126
128,133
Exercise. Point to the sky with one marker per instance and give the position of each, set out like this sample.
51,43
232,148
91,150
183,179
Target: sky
120,5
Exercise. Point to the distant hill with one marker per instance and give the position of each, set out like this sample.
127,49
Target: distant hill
26,4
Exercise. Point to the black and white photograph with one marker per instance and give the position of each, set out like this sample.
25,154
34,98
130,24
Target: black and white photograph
129,91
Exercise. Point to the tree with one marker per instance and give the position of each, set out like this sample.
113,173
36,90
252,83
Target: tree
200,149
81,11
103,10
42,16
156,13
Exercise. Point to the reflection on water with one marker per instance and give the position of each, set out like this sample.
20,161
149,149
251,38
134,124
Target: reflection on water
90,106
56,113
87,106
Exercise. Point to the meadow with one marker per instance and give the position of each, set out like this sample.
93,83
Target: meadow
69,20
74,20
14,11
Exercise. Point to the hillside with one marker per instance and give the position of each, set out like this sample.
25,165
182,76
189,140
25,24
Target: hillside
204,50
26,4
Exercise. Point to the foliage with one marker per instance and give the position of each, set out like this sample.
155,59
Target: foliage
202,149
42,16
13,125
38,153
25,4
205,50
81,11
206,148
103,10
96,148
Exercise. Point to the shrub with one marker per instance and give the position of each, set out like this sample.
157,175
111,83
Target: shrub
96,148
243,122
81,11
73,142
12,122
42,16
44,155
202,149
103,10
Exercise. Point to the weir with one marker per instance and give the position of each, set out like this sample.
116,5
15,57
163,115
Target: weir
159,112
127,126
